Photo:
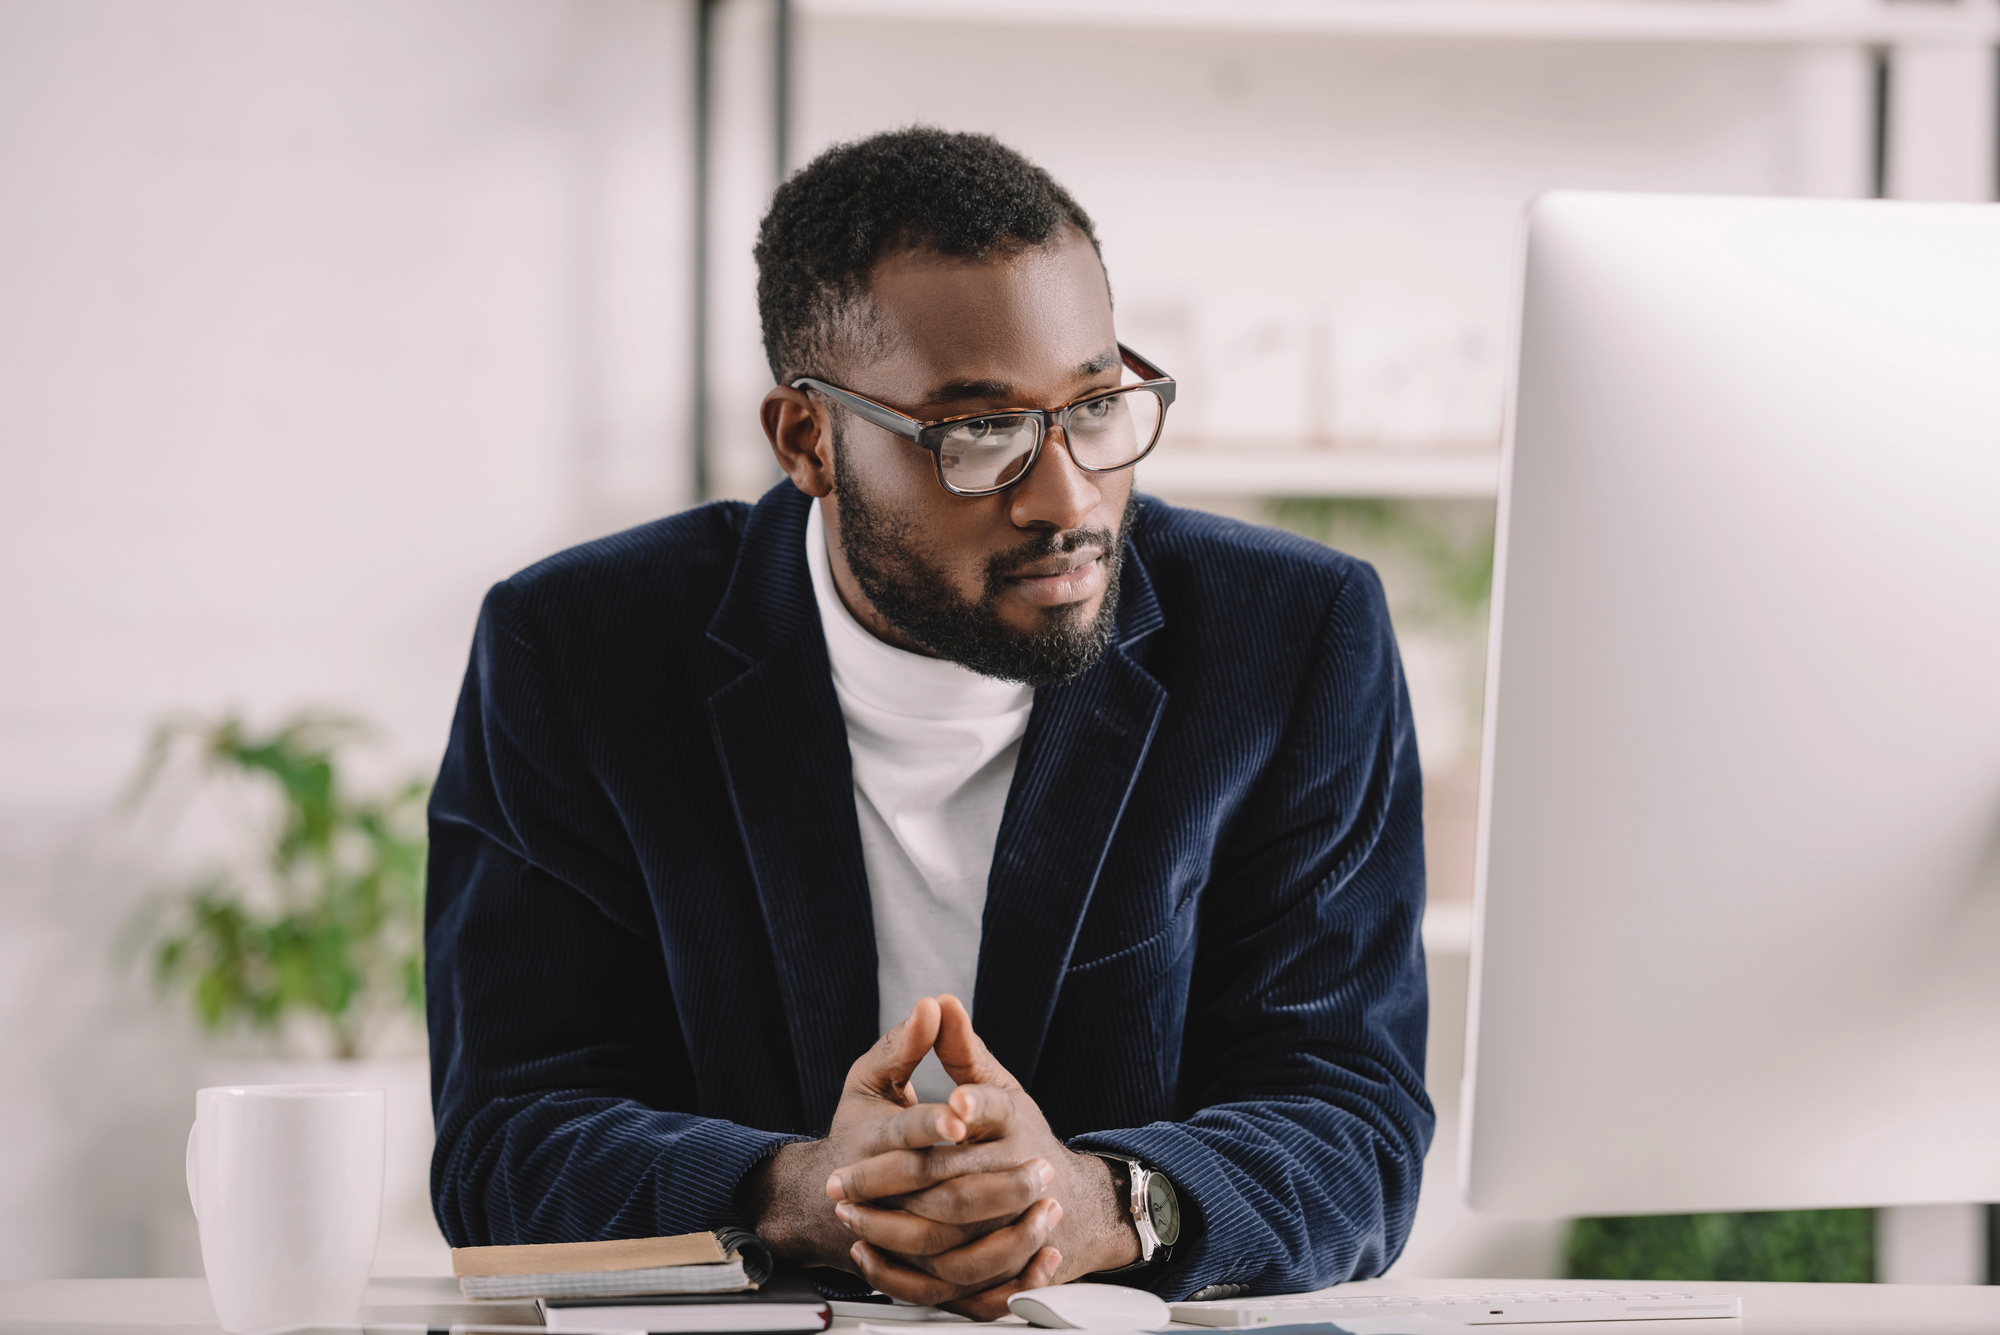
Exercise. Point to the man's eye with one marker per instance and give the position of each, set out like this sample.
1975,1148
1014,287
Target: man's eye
986,431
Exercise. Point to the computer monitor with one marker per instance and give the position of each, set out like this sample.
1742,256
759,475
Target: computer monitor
1738,907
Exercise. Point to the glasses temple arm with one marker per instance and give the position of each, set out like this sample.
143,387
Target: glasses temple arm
1145,370
866,409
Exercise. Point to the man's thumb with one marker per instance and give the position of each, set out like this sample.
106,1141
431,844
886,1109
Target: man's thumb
962,1053
888,1066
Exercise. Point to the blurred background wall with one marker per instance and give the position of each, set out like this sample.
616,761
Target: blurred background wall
316,318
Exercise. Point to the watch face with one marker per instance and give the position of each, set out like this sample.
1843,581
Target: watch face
1164,1208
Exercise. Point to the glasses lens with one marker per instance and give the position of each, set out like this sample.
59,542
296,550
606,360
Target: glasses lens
987,452
1115,430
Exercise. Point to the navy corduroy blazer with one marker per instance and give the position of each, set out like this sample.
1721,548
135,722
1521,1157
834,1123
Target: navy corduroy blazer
651,958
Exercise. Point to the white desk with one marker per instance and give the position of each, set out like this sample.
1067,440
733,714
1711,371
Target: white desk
181,1307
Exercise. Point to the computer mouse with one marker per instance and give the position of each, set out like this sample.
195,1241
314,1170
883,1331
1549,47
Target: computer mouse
1090,1307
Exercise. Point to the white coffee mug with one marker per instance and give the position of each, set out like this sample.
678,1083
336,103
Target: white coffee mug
286,1183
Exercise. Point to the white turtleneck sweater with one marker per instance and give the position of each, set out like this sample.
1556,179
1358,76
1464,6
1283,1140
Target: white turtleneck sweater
934,746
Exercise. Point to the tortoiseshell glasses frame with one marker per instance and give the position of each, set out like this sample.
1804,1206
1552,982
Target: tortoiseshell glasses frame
982,454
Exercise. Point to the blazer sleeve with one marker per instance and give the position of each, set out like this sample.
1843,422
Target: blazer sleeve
555,1046
1299,1160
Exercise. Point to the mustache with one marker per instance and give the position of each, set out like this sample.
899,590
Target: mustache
1001,565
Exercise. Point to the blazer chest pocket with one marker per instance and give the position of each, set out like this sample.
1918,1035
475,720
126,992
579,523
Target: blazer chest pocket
1134,965
1117,1032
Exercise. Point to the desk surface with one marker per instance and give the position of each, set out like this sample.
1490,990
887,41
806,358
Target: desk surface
181,1306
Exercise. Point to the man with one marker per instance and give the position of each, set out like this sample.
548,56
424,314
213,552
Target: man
950,715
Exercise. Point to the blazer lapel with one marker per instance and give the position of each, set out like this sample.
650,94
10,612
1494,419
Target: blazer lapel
783,745
1086,741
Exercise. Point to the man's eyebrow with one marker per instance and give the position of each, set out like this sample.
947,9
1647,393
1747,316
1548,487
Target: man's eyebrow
958,391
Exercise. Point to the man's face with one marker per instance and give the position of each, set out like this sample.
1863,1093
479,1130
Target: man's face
1023,584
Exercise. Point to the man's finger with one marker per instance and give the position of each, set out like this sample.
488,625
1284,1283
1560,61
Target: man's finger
1000,1254
962,1052
875,1178
950,1214
991,1304
990,1260
885,1069
910,1131
900,1172
912,1235
986,1110
972,1197
898,1280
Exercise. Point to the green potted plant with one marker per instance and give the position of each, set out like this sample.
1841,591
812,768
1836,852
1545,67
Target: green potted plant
320,915
301,939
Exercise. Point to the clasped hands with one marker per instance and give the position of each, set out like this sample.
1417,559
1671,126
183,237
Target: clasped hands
959,1204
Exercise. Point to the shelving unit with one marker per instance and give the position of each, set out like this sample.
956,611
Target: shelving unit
1782,21
1880,97
1195,470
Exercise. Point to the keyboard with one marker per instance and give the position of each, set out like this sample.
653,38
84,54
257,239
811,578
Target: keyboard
1473,1309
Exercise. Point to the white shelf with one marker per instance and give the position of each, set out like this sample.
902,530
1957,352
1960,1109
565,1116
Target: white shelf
1194,471
1724,21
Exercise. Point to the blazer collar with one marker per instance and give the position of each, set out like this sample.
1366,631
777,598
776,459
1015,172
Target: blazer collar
769,598
783,744
1087,741
778,730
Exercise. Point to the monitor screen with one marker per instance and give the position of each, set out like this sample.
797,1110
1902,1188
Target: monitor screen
1738,916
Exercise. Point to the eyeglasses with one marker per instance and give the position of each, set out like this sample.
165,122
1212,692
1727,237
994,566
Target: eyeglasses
984,453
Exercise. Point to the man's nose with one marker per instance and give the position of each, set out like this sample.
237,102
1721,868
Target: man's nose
1056,493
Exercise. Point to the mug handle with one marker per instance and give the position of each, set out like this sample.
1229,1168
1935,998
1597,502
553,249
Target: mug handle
194,1199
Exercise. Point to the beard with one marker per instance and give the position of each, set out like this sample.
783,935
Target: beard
909,586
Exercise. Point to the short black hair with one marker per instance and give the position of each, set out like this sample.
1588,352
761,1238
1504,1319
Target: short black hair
918,188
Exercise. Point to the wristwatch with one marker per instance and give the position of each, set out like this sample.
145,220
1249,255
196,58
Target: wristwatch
1156,1210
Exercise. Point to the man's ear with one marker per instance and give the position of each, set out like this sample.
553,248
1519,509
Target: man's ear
801,437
